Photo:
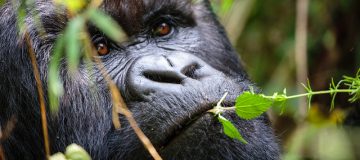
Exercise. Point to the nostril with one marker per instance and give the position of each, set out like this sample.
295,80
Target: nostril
163,77
189,70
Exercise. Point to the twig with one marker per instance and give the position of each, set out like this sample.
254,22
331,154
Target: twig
40,94
301,49
219,109
2,154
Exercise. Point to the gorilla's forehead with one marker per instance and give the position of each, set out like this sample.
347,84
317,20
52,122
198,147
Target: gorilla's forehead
133,14
138,7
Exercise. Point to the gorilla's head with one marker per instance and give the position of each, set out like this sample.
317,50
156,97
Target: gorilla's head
176,64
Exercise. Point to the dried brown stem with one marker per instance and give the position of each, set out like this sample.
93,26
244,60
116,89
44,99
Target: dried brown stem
2,154
40,94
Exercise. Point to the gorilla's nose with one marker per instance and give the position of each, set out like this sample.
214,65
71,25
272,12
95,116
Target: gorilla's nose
165,73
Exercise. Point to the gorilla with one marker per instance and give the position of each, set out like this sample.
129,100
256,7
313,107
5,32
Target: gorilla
175,66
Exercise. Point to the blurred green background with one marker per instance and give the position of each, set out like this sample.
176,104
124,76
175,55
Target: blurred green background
263,32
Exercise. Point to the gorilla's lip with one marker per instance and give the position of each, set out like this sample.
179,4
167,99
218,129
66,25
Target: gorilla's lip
190,121
181,129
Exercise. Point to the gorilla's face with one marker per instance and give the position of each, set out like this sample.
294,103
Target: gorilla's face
175,66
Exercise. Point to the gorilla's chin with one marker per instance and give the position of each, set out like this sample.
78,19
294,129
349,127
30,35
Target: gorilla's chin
204,139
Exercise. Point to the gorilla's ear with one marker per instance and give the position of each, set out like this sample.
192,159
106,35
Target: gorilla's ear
204,13
205,3
200,1
203,9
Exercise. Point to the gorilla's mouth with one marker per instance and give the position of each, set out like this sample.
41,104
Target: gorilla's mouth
179,130
191,122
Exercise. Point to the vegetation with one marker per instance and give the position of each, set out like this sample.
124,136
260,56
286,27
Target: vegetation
73,152
250,105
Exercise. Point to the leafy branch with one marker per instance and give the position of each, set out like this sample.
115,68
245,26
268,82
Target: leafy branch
250,105
72,152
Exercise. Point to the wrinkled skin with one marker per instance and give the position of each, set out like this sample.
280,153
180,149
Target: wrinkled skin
168,82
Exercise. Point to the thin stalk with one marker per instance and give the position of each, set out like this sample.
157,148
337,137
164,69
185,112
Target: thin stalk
2,154
301,49
40,94
219,108
319,92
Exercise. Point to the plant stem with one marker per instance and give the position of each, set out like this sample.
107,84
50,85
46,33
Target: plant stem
219,108
40,91
316,93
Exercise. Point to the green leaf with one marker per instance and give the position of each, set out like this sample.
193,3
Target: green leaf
226,5
249,106
21,16
106,24
72,5
75,152
73,45
54,83
230,130
57,156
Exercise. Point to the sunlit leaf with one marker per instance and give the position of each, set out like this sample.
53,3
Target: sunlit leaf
230,130
2,2
249,106
106,24
73,5
75,152
21,15
57,156
226,5
73,45
55,85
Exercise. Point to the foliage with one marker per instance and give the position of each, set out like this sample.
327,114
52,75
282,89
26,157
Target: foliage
250,105
230,130
73,152
247,109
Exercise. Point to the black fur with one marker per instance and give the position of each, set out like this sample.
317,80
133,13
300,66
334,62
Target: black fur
162,112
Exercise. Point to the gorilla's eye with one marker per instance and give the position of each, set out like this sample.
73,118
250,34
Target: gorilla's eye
162,29
102,49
